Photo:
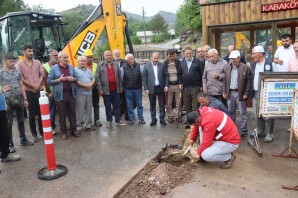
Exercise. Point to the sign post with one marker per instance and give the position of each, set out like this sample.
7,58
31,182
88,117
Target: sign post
275,100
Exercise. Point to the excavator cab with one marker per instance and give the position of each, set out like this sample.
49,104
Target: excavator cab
41,30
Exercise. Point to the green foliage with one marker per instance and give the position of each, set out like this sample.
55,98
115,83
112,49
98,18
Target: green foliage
99,50
135,40
39,8
161,38
188,17
135,26
158,24
11,6
74,20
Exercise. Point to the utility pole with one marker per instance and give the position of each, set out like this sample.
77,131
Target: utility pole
144,26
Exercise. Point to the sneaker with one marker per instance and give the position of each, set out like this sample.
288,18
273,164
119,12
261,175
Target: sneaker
26,143
109,124
35,139
142,122
228,164
98,123
12,149
131,122
11,158
120,123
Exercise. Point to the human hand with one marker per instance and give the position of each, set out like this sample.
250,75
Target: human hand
280,61
216,75
100,93
70,78
62,78
191,142
224,95
245,97
6,88
26,104
166,89
147,92
180,86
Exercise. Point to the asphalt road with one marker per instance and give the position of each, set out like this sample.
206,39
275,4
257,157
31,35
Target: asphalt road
103,161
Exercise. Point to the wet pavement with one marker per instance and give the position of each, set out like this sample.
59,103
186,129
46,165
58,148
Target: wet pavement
103,161
99,162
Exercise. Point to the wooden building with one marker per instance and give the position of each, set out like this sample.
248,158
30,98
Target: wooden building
246,23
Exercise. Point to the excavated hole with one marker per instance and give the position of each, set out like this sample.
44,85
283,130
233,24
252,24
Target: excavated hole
166,171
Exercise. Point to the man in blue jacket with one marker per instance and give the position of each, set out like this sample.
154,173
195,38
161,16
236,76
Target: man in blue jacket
63,77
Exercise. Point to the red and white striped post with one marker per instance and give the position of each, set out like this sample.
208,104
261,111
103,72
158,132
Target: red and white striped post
52,171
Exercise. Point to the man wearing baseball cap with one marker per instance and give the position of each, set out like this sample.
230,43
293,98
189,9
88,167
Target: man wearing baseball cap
236,88
261,64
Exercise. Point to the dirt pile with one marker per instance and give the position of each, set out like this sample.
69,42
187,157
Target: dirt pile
166,171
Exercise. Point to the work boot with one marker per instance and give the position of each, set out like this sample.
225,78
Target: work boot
261,128
269,131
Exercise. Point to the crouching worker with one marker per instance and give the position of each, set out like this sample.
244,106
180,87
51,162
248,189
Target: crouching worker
220,136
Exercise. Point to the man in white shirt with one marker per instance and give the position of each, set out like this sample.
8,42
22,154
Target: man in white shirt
261,64
283,53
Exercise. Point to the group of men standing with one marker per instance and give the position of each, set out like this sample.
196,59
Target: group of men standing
224,83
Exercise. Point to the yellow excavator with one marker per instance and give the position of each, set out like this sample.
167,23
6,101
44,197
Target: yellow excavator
45,32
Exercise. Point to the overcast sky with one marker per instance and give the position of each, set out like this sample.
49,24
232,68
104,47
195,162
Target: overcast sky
134,6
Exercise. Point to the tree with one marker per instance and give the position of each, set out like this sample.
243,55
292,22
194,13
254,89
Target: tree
158,24
135,26
135,40
11,6
188,17
39,8
73,21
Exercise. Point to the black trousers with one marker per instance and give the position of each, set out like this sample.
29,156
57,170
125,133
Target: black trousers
95,101
4,137
34,110
152,98
67,108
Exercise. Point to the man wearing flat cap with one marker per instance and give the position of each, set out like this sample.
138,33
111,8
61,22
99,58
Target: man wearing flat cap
236,88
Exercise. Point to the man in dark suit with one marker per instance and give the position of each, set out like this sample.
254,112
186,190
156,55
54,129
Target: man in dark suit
191,74
154,80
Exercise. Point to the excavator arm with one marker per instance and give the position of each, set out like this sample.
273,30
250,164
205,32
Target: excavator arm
240,39
111,19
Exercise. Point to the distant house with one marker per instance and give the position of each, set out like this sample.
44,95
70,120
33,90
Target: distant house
150,34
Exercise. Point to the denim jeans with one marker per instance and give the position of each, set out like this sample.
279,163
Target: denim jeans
34,110
134,96
109,100
20,120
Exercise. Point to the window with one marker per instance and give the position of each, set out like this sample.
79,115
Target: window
20,35
3,40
